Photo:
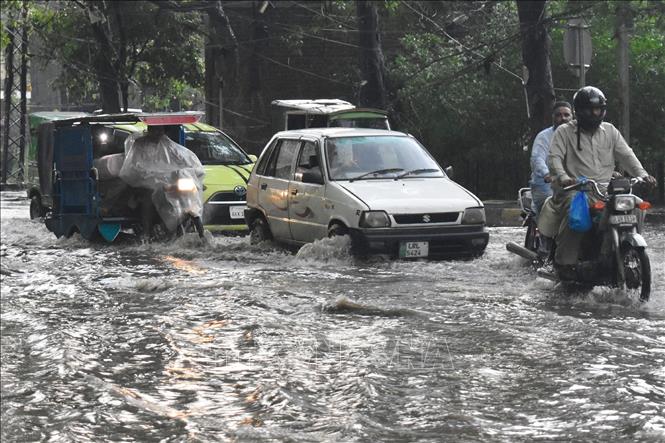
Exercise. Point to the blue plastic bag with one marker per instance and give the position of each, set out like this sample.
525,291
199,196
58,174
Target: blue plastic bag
579,216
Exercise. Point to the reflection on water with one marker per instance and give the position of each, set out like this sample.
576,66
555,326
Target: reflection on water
232,341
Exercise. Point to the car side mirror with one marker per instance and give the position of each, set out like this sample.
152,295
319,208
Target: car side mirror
312,176
450,172
253,158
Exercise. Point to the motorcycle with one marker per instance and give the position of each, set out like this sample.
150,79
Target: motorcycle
169,178
613,252
532,239
178,205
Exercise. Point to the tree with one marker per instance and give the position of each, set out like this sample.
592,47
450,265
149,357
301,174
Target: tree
104,46
221,60
536,45
372,68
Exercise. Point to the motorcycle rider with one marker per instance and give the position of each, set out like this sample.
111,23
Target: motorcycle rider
562,113
587,147
150,161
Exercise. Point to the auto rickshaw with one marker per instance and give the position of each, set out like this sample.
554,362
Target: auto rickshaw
100,187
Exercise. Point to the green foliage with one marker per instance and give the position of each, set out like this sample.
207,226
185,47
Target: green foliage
469,112
11,11
647,71
148,47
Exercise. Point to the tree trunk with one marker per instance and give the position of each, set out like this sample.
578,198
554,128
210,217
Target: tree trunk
260,37
106,73
536,45
624,23
222,61
372,69
211,53
124,95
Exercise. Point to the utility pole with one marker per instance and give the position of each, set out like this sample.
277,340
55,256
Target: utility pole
624,24
14,118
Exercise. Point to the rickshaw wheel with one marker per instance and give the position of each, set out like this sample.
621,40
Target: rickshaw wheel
36,208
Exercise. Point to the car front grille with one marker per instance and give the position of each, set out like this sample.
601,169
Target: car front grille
218,214
227,197
426,218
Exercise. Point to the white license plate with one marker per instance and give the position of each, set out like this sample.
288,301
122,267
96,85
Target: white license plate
237,211
621,219
413,249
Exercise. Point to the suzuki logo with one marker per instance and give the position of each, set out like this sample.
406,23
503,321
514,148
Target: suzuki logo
240,191
426,218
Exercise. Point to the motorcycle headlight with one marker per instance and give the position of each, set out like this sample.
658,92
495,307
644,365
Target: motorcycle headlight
374,219
624,203
473,216
186,185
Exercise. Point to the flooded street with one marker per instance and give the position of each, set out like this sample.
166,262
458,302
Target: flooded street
233,342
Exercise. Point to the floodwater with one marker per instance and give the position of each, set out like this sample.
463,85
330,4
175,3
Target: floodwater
233,342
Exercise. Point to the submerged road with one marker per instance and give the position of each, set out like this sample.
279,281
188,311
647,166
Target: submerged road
233,342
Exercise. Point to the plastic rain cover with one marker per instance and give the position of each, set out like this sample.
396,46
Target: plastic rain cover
158,165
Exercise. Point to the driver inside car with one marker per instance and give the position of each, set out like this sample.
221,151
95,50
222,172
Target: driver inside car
342,160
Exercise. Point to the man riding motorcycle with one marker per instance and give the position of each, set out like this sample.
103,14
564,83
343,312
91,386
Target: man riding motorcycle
168,180
585,147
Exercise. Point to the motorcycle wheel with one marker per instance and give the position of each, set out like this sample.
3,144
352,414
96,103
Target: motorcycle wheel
637,270
36,208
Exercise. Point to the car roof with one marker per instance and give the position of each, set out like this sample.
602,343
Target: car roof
339,132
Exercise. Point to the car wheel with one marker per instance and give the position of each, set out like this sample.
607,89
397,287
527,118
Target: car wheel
337,229
36,208
259,231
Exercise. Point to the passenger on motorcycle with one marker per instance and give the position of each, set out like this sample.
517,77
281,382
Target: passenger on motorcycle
585,147
562,113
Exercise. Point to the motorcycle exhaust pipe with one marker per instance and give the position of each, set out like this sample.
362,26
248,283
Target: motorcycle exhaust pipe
521,251
548,275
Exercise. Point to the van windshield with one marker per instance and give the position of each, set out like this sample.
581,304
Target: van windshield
376,157
214,148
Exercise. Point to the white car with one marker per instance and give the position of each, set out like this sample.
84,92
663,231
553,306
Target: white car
380,187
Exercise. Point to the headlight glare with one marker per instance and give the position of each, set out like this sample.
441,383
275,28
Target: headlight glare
186,185
473,216
374,219
624,203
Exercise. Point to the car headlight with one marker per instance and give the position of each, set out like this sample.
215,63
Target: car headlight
186,185
473,216
624,203
374,219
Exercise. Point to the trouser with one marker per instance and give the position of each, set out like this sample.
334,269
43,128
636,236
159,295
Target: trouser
553,222
147,210
538,197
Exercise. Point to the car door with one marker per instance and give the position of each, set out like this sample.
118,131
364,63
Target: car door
309,219
274,187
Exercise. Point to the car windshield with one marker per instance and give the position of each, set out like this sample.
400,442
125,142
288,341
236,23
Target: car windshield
374,157
214,148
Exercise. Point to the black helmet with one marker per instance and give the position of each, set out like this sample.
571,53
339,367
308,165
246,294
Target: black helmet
585,100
